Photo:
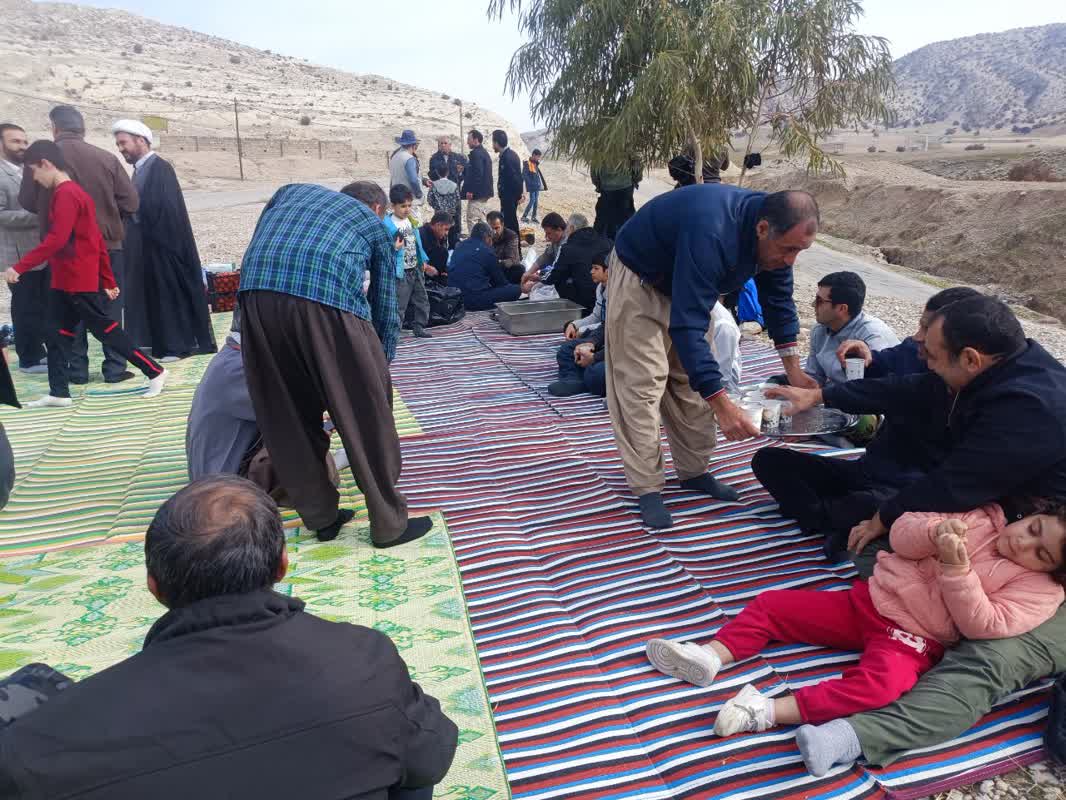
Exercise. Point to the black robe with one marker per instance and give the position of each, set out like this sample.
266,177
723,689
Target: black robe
165,279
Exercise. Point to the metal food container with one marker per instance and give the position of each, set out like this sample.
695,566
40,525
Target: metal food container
526,317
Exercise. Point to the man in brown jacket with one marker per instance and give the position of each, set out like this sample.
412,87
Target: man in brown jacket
104,179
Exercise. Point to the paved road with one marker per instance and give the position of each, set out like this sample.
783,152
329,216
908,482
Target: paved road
882,282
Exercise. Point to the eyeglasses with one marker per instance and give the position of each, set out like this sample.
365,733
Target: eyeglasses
819,300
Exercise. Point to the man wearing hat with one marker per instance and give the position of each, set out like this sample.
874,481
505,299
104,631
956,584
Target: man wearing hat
102,177
167,280
403,167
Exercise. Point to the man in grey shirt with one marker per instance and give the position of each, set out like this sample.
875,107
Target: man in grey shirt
838,309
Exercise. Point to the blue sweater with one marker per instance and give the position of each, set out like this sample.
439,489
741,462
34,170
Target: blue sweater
694,244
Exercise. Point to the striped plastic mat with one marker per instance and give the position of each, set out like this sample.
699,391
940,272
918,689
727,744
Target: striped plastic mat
565,587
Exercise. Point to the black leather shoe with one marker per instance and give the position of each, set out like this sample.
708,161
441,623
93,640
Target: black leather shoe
122,376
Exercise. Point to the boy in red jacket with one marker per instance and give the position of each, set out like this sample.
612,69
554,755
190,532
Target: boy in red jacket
82,282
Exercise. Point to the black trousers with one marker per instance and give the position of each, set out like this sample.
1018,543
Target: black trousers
29,314
509,209
66,310
823,494
114,362
613,210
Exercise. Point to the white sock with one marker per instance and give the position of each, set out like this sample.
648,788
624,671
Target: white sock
824,746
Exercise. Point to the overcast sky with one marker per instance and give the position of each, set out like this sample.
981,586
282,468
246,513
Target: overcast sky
432,44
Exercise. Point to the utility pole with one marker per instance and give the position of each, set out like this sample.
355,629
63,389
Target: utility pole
462,143
237,124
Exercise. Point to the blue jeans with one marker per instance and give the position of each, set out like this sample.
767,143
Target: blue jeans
594,377
531,206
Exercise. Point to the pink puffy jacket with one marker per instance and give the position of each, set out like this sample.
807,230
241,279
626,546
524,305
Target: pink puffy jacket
995,599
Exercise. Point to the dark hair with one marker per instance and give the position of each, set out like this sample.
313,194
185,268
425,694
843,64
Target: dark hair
553,220
366,192
845,287
785,210
440,217
45,149
536,152
530,239
481,231
983,323
10,126
494,216
67,118
499,137
400,194
436,174
219,535
946,296
478,136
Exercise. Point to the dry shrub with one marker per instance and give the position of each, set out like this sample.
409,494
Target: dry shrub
1032,171
147,86
305,120
974,147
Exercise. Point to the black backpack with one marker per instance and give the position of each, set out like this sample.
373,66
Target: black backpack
1055,738
445,304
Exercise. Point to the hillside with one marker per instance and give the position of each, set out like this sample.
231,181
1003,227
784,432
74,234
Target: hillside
996,81
112,63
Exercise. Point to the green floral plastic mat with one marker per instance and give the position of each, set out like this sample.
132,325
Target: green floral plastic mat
99,470
84,609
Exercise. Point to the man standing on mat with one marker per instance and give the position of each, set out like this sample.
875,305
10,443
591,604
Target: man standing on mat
314,340
671,262
82,282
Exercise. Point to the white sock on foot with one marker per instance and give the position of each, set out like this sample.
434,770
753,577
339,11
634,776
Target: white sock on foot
48,401
824,746
156,384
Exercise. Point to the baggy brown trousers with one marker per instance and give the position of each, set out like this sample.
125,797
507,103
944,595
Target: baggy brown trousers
301,359
646,384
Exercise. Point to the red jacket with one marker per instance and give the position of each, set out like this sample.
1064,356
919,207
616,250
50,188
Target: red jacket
74,247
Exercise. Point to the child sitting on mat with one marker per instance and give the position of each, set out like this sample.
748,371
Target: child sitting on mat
951,575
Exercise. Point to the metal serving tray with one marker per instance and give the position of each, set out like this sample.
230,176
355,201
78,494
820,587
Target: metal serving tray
813,422
526,317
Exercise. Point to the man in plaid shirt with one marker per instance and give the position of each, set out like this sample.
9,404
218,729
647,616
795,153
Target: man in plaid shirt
318,286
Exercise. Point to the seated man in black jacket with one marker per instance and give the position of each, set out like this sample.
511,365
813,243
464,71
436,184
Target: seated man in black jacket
435,237
995,400
508,249
238,691
572,274
476,272
832,495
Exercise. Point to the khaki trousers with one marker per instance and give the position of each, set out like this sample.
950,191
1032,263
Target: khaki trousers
646,384
475,213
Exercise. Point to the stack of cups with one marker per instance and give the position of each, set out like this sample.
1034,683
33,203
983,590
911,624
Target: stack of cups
771,414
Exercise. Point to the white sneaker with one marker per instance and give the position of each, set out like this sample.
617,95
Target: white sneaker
36,369
50,402
748,712
169,359
684,660
156,384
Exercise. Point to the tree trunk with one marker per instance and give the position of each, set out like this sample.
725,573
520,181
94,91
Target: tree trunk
752,134
697,154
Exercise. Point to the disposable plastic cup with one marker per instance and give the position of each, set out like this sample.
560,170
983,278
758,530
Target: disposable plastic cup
753,411
771,414
854,368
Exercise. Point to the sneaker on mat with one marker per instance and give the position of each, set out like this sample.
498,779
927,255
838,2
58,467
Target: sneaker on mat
156,384
36,369
50,402
686,661
748,712
566,388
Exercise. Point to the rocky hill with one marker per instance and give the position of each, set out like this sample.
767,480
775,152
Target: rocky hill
997,81
112,63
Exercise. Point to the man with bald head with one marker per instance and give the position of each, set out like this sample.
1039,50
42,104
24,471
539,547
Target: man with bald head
671,263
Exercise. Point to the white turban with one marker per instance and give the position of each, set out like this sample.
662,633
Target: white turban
133,127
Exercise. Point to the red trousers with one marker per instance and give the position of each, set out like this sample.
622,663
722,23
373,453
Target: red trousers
891,661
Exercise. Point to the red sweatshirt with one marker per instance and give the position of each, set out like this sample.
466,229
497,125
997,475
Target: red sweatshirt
74,247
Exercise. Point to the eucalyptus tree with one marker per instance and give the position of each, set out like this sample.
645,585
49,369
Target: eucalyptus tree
613,79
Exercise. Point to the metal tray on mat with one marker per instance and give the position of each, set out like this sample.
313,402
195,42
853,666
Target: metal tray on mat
813,422
526,317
